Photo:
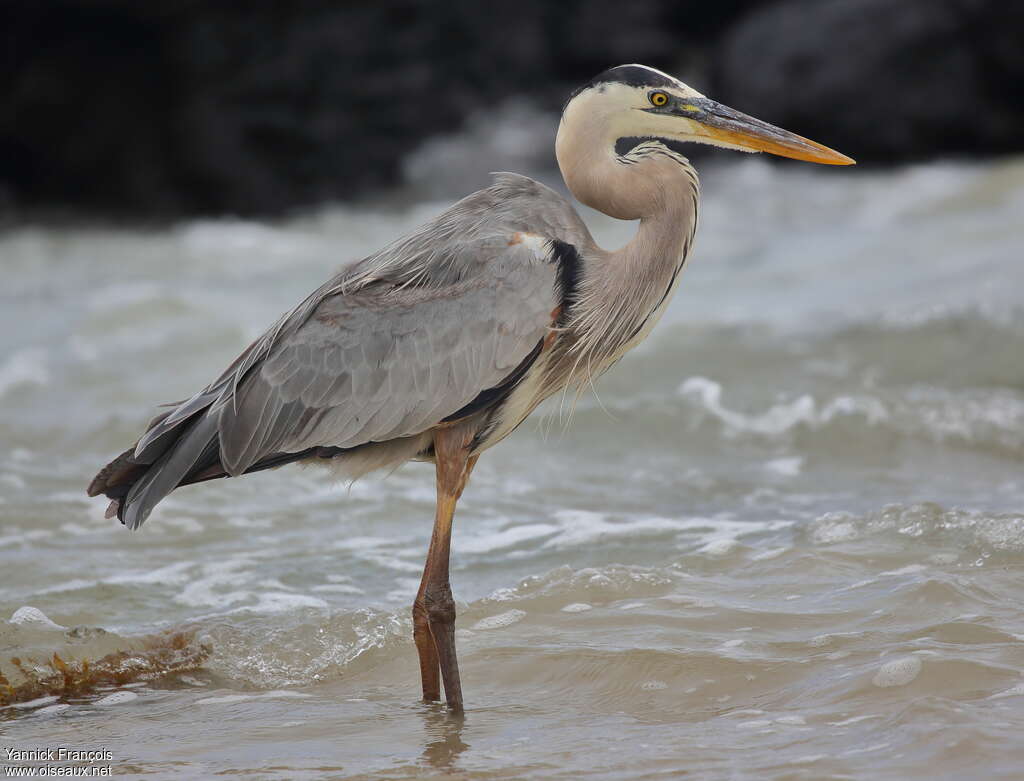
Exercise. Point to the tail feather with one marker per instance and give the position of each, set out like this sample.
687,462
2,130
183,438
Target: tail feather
117,477
168,427
135,484
199,441
191,455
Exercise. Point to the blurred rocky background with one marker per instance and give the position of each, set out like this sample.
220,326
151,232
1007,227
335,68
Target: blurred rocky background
160,108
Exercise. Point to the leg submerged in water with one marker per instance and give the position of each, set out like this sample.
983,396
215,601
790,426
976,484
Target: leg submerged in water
433,611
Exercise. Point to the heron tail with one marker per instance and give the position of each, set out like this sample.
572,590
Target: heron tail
173,453
135,488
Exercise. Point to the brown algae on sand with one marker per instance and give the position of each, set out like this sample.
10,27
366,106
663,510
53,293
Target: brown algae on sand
77,670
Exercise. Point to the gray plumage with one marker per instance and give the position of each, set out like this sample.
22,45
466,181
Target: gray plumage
385,350
439,345
477,316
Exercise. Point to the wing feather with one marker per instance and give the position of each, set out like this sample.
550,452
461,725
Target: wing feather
437,325
390,361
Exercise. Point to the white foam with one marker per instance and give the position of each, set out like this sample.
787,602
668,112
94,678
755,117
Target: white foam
361,543
53,709
501,620
910,569
785,467
898,672
211,590
35,703
24,367
797,721
12,480
26,535
872,749
783,417
71,585
1003,531
117,698
809,759
183,523
35,617
233,698
245,522
507,538
172,574
577,607
71,529
766,555
582,527
1013,691
719,547
852,720
389,561
338,588
280,602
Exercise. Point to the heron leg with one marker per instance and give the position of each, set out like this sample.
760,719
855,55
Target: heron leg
433,611
429,671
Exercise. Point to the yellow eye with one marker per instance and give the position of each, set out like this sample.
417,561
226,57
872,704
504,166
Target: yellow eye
658,99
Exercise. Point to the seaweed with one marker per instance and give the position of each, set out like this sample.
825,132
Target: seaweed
160,655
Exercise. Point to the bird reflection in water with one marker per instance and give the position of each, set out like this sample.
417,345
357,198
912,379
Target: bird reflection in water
444,738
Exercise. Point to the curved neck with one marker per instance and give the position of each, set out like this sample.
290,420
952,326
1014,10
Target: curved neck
625,291
650,183
641,184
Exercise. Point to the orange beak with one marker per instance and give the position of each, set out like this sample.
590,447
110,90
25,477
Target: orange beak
727,126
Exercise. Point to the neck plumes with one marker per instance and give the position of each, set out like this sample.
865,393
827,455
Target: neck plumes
624,292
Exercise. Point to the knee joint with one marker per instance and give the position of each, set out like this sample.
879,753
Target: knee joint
420,617
440,606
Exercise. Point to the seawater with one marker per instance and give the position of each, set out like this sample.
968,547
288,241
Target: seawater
784,538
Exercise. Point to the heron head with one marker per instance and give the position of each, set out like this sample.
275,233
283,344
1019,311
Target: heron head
634,102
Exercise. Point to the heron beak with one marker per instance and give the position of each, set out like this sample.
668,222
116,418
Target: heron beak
733,128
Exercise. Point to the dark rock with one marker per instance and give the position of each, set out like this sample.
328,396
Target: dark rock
882,80
168,107
165,107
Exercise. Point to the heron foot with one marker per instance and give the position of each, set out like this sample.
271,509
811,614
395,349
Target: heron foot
440,606
429,670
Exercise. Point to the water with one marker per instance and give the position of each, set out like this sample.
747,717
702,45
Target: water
785,540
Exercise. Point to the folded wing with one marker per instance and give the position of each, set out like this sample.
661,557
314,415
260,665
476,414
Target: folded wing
391,361
389,357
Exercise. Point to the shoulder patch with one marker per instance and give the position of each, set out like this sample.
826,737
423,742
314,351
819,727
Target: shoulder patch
531,241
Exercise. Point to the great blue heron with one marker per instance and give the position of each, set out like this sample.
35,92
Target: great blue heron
438,346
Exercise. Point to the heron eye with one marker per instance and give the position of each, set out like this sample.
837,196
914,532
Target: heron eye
658,98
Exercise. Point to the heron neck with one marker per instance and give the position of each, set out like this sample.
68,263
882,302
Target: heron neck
659,189
664,234
648,264
626,291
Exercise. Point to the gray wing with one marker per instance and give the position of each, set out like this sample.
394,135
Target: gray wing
391,360
408,336
389,347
